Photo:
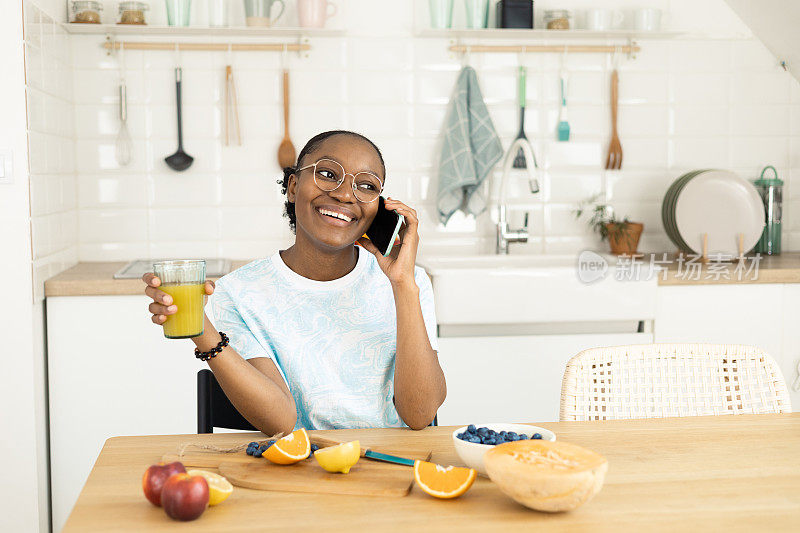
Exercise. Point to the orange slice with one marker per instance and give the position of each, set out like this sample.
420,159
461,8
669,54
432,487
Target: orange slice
443,481
291,449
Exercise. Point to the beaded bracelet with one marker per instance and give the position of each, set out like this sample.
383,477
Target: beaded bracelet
205,356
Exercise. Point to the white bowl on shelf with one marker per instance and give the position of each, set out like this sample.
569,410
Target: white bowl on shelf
472,453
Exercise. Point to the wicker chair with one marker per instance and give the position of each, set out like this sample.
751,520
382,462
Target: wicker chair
661,380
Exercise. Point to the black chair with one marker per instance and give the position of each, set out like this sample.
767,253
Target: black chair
215,410
213,407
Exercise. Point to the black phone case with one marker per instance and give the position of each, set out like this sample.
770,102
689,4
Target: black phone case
383,227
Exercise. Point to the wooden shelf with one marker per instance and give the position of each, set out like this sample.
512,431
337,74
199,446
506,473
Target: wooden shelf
176,31
546,35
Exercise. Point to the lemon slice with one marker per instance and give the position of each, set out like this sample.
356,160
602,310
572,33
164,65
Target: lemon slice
339,458
219,488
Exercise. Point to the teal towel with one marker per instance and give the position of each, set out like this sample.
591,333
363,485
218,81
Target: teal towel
471,149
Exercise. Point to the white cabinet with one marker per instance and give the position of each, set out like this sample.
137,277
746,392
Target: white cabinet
766,315
727,314
111,372
515,378
790,359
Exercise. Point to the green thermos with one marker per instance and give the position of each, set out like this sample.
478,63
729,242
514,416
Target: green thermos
771,191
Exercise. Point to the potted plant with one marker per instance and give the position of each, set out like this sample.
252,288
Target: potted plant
623,235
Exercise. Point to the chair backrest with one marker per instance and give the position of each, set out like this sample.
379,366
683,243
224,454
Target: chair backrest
664,380
214,409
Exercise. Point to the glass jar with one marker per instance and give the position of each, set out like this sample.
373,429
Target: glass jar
86,11
558,19
132,12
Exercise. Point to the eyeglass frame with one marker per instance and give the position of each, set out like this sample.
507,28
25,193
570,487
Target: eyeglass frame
344,176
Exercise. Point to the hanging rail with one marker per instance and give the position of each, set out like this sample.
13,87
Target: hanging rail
207,47
572,48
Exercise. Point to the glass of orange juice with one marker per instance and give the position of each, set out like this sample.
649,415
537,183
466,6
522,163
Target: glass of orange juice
184,280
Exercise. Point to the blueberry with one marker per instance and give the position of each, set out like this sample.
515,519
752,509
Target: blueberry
513,435
503,433
258,453
492,433
249,451
522,436
314,448
537,436
462,436
482,432
471,429
475,439
270,443
253,444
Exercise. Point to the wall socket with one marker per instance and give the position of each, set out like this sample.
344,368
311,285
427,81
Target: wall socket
6,167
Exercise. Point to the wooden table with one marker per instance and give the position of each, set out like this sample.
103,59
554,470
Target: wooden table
709,473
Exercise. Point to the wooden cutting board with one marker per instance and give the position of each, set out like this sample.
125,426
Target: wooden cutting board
367,477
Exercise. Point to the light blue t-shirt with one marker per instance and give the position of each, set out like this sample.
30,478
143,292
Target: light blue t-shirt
334,342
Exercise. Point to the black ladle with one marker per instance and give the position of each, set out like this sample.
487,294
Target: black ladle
180,160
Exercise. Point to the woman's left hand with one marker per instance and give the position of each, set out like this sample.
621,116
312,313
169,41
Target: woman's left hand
399,264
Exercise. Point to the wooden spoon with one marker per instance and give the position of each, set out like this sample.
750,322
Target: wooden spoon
286,153
614,158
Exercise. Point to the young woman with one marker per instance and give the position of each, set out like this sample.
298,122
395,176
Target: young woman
326,334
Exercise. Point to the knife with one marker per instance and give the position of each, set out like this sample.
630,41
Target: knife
324,442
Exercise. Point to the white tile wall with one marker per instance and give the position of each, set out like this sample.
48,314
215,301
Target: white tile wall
51,144
715,98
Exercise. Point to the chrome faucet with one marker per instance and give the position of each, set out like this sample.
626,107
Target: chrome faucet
505,235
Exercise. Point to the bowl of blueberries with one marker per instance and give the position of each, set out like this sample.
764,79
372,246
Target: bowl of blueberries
473,441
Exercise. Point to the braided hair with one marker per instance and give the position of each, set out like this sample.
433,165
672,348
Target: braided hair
310,146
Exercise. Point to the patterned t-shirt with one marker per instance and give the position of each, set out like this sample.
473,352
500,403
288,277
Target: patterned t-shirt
334,342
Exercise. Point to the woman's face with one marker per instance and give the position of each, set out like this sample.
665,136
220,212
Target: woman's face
355,155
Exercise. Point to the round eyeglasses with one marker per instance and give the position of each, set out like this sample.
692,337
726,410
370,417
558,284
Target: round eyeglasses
329,174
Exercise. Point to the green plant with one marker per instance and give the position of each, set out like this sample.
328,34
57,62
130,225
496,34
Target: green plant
603,220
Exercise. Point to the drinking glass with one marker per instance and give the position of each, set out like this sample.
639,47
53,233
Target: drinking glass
477,13
185,281
441,14
178,12
218,13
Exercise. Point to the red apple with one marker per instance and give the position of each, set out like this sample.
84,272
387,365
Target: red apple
155,477
185,497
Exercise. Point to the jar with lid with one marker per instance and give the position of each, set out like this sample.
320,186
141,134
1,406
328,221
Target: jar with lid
86,11
132,12
558,19
771,192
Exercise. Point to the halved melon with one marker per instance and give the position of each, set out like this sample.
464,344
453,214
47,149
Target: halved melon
546,475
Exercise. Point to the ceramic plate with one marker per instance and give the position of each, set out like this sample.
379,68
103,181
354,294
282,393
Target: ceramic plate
668,207
721,205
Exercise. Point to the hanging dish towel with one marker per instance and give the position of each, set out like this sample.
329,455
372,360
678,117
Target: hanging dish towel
471,149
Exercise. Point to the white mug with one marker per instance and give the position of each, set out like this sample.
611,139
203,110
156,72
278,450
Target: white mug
314,13
603,19
647,19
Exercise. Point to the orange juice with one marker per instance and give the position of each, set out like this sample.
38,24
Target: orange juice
188,321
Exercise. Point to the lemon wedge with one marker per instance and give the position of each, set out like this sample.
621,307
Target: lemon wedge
219,488
339,458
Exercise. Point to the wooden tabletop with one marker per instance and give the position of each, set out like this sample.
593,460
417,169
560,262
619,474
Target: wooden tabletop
677,474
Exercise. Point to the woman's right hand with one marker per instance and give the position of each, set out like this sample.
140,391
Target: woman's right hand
162,302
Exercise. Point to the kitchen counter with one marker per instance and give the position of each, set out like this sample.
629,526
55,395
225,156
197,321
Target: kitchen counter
784,268
97,278
692,473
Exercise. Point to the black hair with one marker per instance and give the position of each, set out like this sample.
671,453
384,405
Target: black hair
310,146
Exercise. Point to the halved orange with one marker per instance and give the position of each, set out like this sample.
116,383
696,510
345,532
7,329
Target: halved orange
443,481
290,449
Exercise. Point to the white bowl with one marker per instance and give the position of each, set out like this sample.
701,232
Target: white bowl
472,453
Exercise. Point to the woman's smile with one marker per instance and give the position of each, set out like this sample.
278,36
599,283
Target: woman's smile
336,215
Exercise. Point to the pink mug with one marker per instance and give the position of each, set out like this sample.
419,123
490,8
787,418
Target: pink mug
314,13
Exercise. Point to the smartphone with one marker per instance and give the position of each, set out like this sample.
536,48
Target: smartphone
385,228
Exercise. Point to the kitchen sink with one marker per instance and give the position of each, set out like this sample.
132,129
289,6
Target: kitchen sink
503,289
